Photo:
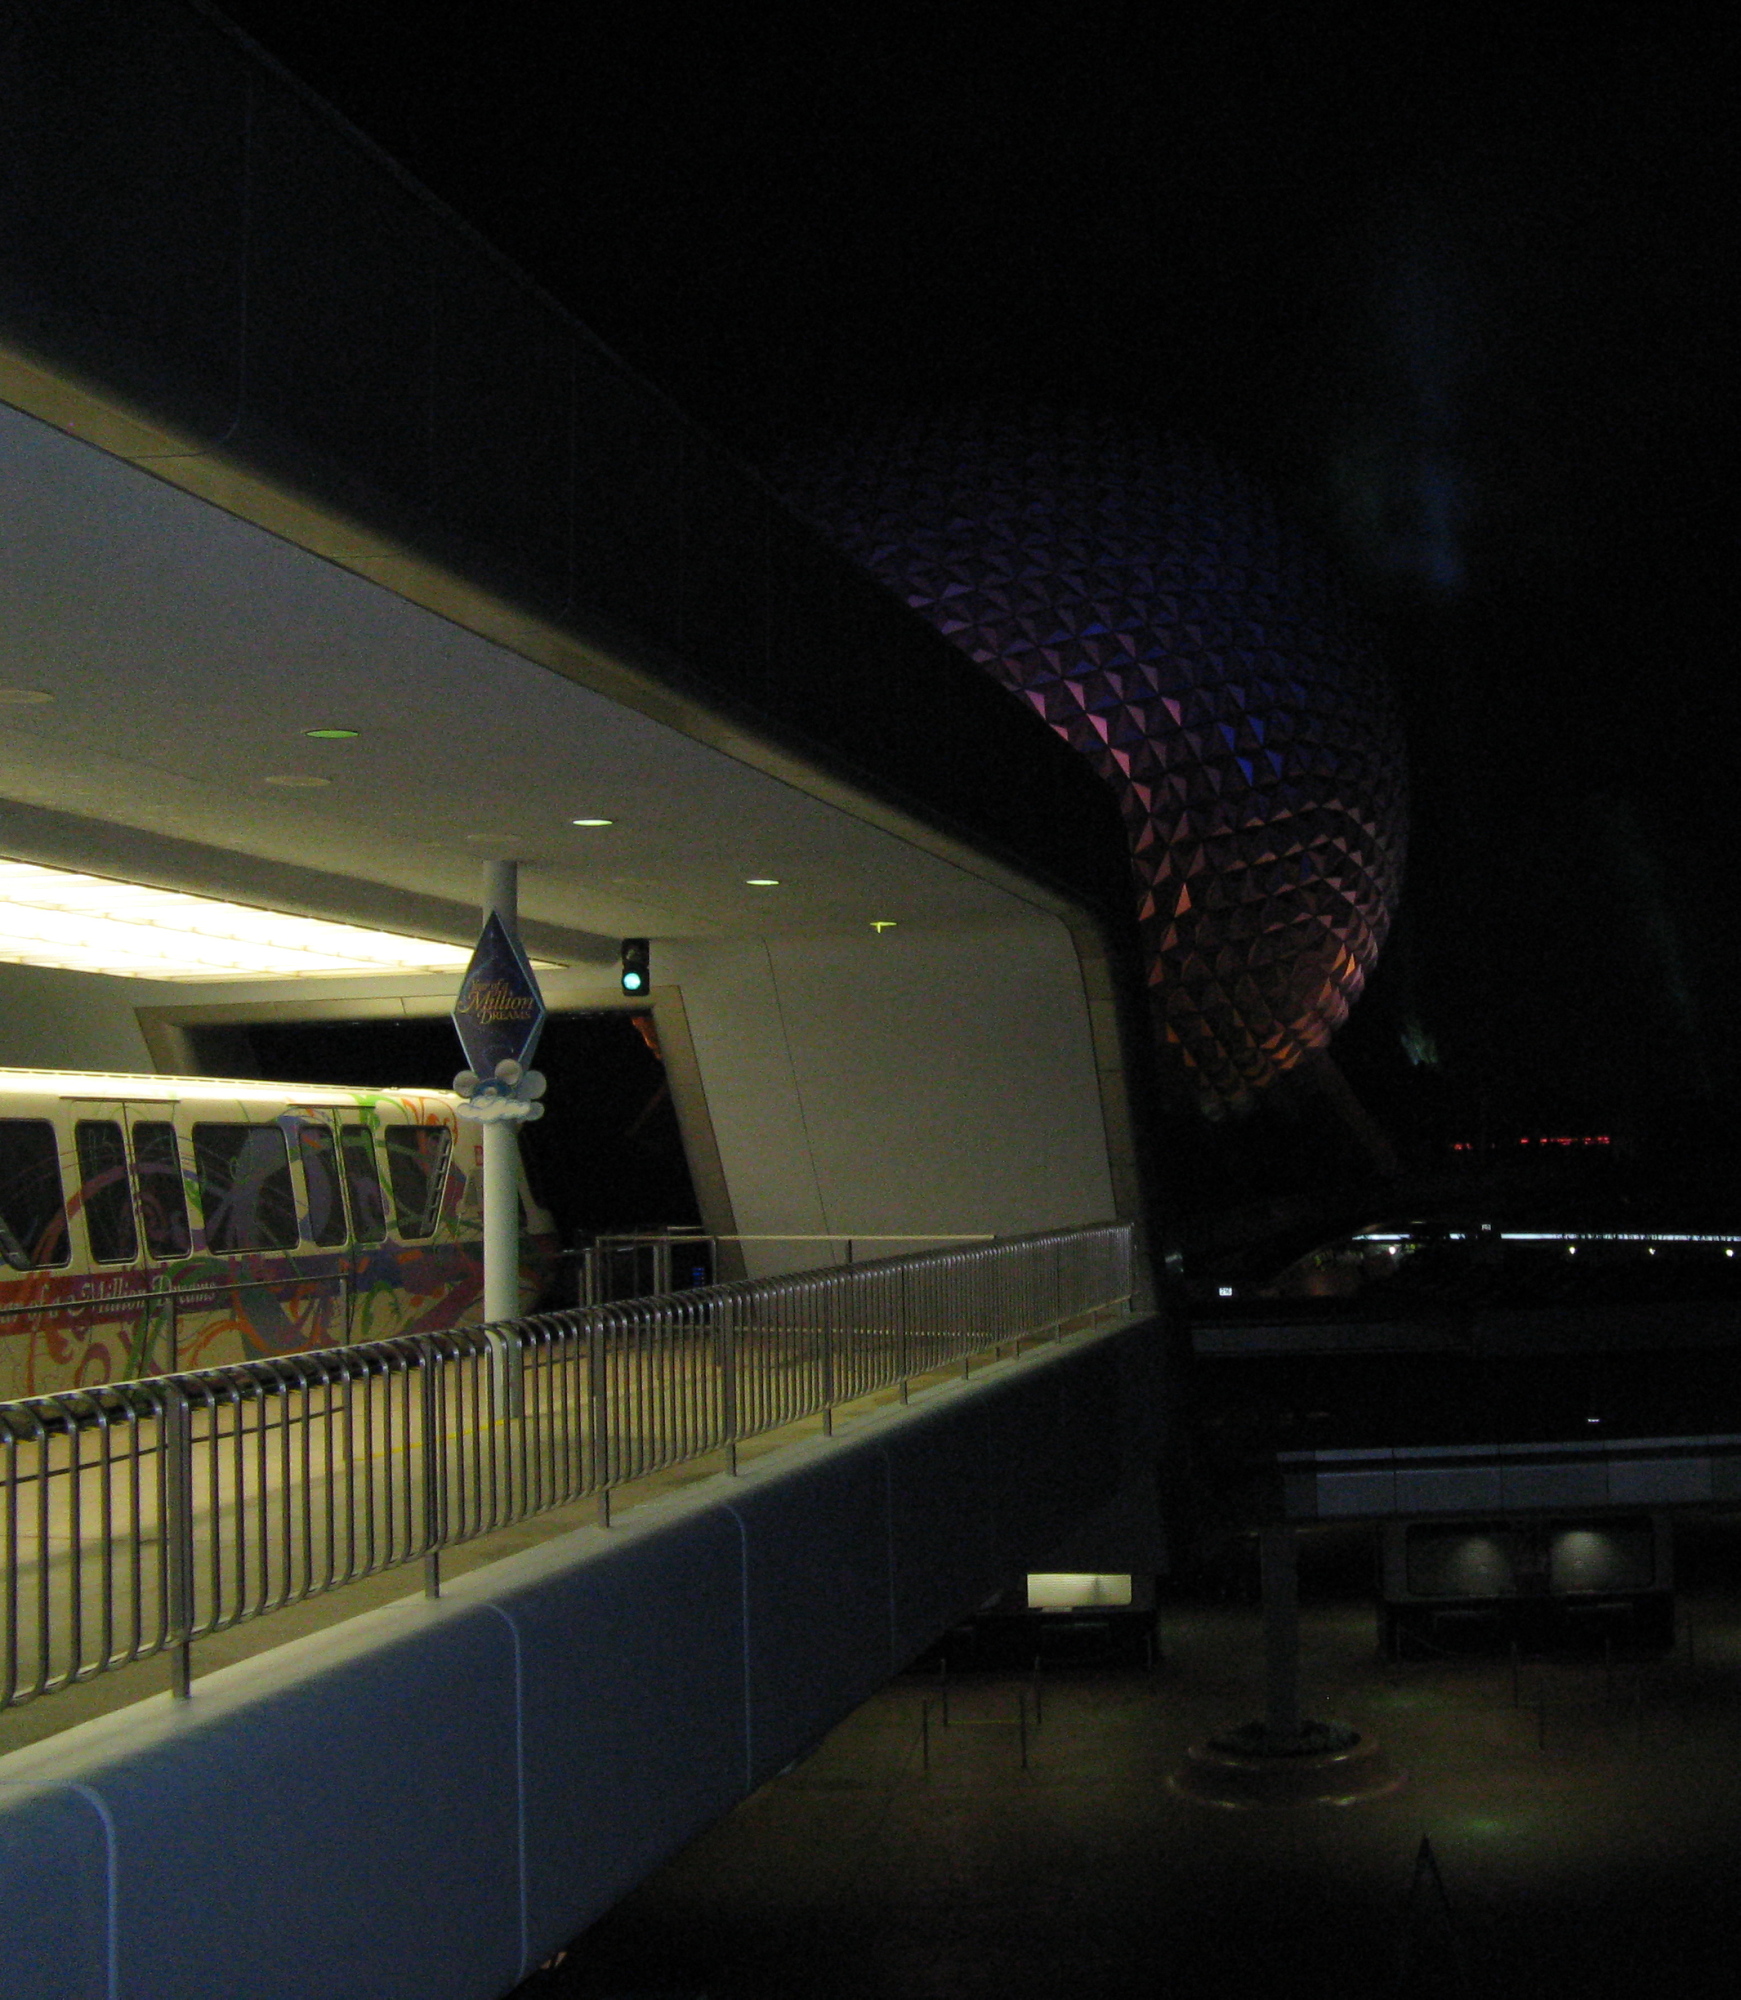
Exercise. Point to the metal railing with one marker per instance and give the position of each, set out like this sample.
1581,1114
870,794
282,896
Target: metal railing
138,1517
634,1263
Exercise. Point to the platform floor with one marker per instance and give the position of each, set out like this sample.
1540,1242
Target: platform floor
1595,1851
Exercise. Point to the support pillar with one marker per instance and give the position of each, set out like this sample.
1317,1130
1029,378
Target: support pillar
1284,1760
1279,1572
502,1173
501,1220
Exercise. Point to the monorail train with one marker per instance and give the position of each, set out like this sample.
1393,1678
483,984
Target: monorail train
153,1223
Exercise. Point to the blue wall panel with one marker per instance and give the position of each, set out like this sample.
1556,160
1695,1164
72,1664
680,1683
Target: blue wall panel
632,1671
816,1546
55,1854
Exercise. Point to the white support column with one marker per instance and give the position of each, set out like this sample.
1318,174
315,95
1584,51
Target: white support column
501,1220
502,1166
502,894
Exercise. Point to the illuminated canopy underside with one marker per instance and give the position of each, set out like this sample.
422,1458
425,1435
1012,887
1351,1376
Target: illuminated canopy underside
1152,608
84,923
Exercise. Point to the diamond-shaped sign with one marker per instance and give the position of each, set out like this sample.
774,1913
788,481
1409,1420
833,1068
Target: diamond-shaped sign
500,1012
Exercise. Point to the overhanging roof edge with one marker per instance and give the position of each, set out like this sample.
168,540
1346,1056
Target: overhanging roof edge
614,665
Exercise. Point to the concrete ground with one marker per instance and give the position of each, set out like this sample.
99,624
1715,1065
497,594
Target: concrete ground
1588,1839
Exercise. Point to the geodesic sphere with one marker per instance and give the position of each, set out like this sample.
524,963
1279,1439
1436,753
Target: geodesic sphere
1148,602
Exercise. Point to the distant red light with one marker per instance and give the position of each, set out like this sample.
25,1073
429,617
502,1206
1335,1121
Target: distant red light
1544,1139
1566,1139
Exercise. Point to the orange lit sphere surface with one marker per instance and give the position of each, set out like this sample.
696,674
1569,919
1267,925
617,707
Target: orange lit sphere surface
1154,608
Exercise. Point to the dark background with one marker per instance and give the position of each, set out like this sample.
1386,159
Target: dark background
1453,280
607,1156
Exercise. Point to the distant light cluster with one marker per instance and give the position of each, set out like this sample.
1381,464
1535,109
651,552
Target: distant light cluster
1552,1139
1150,605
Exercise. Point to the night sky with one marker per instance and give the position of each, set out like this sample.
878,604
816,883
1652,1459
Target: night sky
1452,280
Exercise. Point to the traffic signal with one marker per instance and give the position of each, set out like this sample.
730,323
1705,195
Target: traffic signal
637,973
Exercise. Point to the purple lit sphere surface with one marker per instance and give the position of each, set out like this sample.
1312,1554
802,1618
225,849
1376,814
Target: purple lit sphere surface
1151,605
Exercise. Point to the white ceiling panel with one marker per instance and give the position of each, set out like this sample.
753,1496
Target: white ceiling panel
187,653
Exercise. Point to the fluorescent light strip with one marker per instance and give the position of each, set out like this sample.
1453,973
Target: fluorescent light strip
83,923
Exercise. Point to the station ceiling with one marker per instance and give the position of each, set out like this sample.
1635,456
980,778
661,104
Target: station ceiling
185,655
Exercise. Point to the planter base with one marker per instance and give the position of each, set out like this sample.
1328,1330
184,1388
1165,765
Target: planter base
1326,1764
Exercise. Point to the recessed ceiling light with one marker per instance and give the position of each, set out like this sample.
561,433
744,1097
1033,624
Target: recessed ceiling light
86,923
592,822
761,881
24,698
296,781
332,735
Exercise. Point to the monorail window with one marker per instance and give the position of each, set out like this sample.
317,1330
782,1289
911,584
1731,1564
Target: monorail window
417,1163
320,1175
104,1191
162,1191
363,1184
33,1231
244,1187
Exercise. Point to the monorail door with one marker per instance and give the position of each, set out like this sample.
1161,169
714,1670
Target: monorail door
129,1198
334,1227
259,1283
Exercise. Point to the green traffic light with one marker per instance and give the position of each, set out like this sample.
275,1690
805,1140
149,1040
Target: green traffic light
636,964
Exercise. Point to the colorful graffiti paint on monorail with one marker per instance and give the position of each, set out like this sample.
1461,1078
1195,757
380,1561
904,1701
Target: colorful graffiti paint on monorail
335,1269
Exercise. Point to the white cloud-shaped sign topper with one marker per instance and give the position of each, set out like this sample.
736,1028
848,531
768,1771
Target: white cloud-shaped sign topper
512,1094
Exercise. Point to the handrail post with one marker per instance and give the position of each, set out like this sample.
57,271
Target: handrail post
600,1401
826,1302
431,1415
728,1383
961,1315
507,1392
178,1535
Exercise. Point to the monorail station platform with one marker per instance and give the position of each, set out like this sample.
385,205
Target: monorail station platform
448,1787
1582,1836
347,584
337,1513
341,570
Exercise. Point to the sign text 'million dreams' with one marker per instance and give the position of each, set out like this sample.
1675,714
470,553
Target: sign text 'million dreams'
488,1000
